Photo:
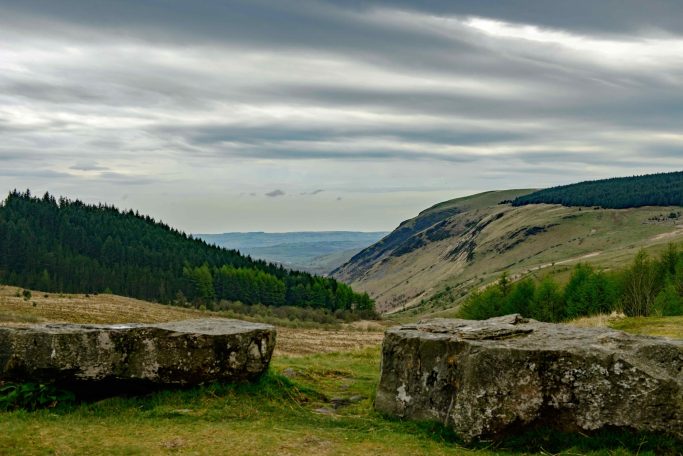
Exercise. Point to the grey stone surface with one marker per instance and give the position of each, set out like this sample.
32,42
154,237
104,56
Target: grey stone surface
180,353
493,377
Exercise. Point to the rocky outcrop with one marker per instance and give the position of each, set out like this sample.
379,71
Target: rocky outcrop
488,378
179,353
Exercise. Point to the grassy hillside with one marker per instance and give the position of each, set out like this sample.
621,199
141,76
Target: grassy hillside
298,408
432,261
416,233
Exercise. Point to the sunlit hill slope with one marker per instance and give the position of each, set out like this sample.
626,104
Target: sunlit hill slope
433,260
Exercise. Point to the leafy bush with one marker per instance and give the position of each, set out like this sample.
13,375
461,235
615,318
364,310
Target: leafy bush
647,287
32,396
548,303
589,292
641,286
668,302
482,305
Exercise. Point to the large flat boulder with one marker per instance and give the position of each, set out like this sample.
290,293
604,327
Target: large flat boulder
179,353
493,377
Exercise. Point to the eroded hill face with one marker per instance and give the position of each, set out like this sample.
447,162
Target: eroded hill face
464,244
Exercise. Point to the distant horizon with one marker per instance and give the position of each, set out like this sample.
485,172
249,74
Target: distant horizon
152,213
293,232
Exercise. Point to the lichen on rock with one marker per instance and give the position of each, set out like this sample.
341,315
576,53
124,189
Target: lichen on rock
179,353
488,378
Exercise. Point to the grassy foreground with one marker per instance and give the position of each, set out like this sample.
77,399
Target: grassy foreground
276,416
290,411
294,409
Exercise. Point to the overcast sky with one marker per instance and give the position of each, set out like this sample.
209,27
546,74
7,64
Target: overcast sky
307,115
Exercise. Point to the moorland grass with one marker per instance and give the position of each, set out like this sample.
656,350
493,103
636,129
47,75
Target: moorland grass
289,411
279,414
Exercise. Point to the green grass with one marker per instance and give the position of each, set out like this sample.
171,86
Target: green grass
277,415
652,326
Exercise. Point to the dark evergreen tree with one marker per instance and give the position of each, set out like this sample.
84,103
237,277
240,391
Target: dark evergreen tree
665,189
68,246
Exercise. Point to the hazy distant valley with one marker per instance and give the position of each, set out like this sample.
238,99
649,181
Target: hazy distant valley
318,252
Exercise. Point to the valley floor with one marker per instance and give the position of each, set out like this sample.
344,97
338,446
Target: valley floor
103,308
316,399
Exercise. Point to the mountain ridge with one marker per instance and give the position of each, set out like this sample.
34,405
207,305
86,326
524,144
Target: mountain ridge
432,261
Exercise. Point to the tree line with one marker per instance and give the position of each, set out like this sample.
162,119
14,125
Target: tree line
664,189
60,245
648,287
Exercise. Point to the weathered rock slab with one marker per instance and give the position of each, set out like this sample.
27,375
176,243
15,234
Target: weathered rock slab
179,353
489,378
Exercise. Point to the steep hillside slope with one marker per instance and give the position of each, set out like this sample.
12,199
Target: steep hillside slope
463,244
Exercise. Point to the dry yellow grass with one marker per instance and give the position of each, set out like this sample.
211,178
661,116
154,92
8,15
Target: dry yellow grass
77,308
105,308
296,342
598,321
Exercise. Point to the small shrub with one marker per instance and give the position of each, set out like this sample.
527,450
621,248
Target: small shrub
32,396
640,286
26,294
668,303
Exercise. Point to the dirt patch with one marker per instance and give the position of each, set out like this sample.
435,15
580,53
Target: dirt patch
671,234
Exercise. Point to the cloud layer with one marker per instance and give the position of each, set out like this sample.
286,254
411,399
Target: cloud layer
178,108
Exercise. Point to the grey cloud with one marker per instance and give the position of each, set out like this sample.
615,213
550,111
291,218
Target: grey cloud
289,153
87,166
314,192
605,16
226,19
281,133
33,173
291,25
217,95
126,179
